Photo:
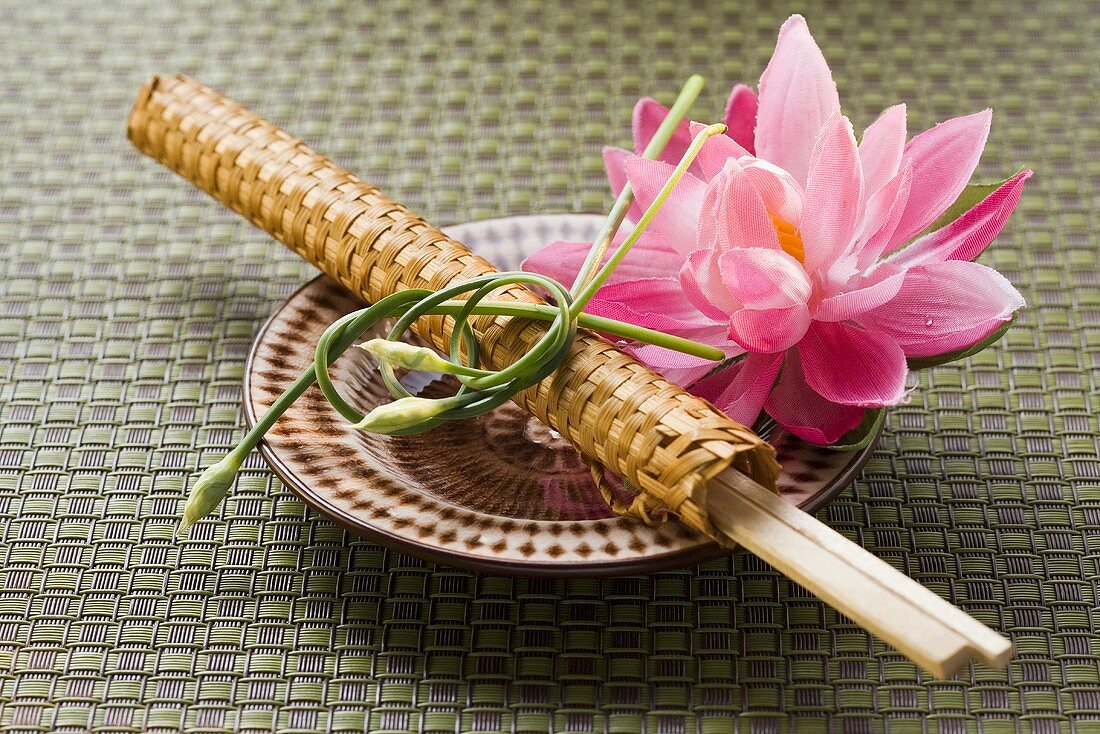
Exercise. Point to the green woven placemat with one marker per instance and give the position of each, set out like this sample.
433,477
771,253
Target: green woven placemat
129,302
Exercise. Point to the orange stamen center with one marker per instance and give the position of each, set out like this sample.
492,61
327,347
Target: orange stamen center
789,238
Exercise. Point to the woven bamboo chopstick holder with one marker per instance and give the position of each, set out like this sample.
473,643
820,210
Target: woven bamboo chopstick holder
618,413
615,411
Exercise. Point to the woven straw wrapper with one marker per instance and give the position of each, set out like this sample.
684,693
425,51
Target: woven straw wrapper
128,302
615,411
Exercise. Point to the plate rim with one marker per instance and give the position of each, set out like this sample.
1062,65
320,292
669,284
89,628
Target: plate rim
547,569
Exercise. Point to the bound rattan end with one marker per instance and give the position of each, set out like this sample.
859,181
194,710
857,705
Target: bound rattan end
135,122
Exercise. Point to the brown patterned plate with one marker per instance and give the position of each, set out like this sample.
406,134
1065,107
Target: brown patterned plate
499,493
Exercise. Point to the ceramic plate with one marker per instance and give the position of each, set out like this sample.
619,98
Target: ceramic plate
500,493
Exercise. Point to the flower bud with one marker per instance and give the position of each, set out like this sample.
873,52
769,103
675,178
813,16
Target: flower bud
210,489
401,414
407,355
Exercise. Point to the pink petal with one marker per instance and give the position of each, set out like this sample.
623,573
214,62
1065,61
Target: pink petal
970,234
781,194
943,159
881,148
956,341
682,376
649,258
678,219
763,278
702,284
874,291
797,97
770,330
740,390
740,116
733,213
840,274
853,366
943,307
715,152
655,303
683,369
614,160
833,205
803,412
884,210
648,116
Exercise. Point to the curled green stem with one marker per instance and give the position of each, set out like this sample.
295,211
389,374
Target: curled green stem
480,389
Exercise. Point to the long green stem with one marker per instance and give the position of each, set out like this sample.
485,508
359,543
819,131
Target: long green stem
630,332
581,299
688,94
215,482
536,311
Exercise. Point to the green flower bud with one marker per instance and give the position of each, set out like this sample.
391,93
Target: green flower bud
407,355
401,414
210,489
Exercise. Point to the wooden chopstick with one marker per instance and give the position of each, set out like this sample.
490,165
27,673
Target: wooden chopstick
935,634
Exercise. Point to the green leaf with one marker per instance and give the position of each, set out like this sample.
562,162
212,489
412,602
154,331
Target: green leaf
970,196
863,434
920,363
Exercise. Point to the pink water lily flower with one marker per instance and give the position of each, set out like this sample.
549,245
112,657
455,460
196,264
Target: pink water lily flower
792,245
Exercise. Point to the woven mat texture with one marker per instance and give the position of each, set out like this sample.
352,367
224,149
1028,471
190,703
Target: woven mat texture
129,302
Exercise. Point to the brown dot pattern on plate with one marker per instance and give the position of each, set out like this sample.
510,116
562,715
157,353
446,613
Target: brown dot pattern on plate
499,489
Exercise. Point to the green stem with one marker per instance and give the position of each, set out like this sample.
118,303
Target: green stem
582,298
339,345
631,332
536,311
688,94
